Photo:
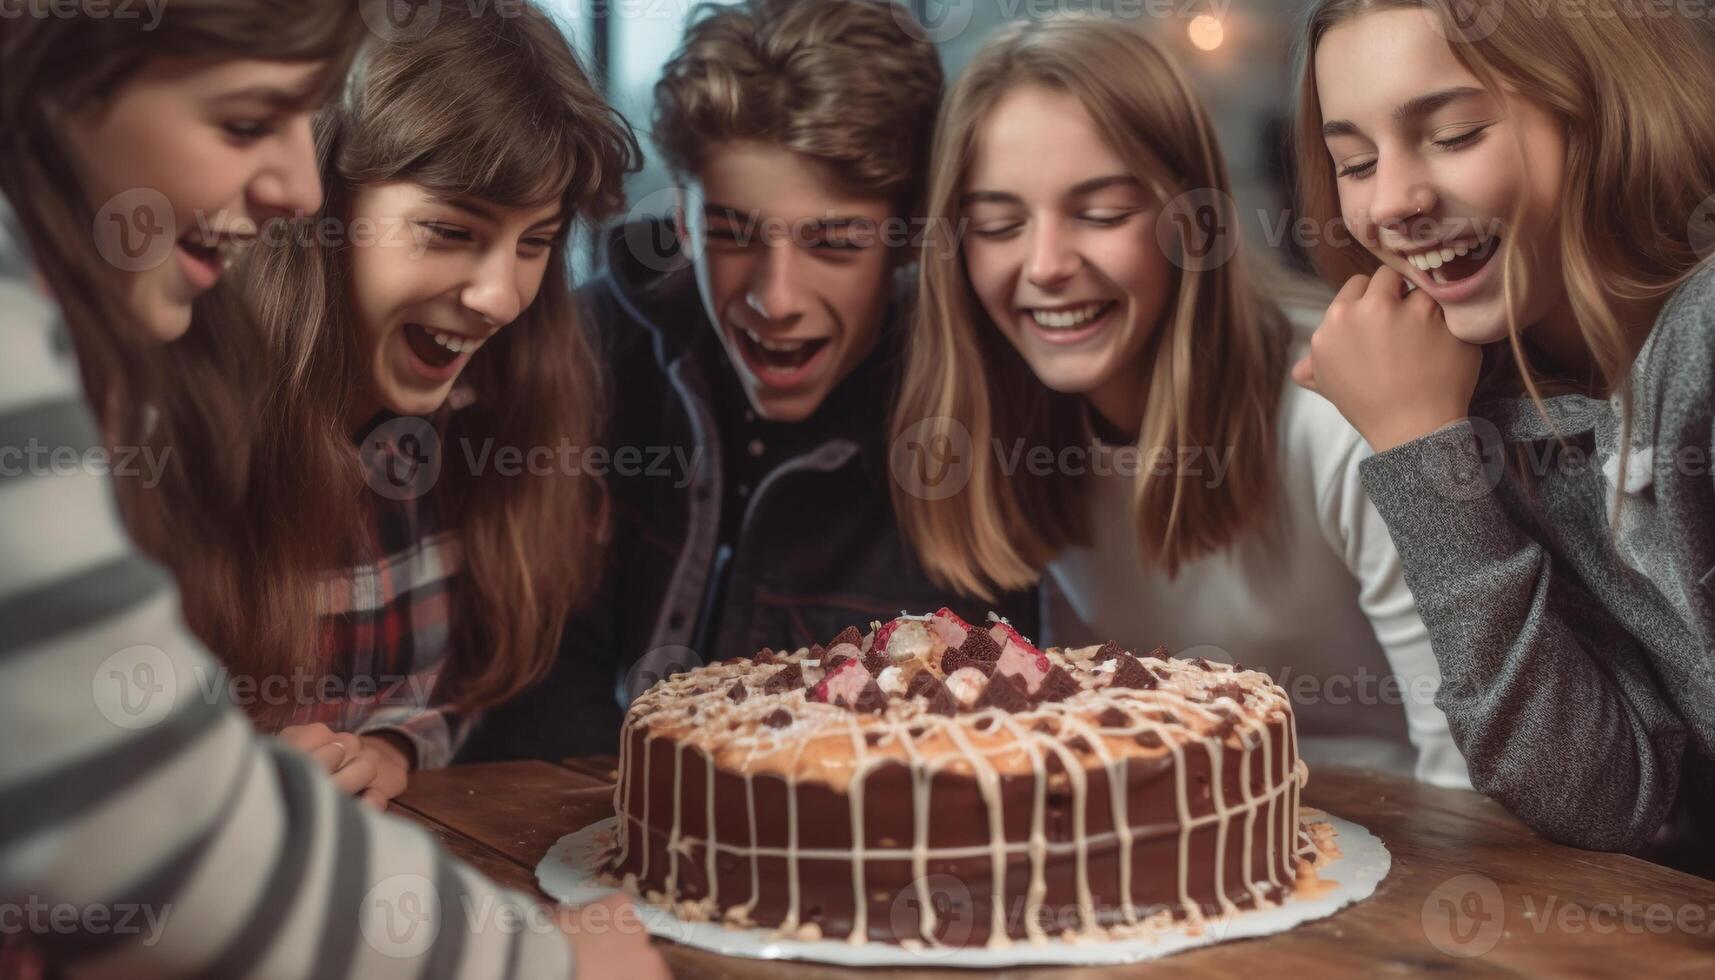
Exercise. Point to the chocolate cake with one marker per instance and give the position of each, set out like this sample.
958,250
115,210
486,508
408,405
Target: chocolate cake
937,783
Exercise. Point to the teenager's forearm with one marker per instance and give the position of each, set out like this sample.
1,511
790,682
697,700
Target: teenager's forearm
134,796
429,736
1571,736
1356,531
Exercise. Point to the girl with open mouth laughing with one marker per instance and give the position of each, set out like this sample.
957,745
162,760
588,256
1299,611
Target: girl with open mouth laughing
126,771
425,334
1526,336
1194,497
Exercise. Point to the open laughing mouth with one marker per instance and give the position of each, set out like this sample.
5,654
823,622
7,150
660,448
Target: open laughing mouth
203,260
438,350
779,361
1070,324
1455,261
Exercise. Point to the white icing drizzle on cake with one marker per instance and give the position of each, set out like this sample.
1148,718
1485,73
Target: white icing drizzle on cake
838,746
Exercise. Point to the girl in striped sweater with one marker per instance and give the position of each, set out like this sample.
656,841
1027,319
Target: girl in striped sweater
171,140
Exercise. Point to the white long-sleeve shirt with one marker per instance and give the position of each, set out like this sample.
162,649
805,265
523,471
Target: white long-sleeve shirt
1322,606
145,829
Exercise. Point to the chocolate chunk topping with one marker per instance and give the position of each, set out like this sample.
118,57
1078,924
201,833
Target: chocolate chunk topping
1109,651
942,703
1112,717
834,664
1057,685
1159,653
1204,663
817,651
1006,692
763,656
738,692
1229,721
955,659
1132,673
872,738
871,700
1148,740
924,684
984,724
876,662
979,645
778,718
787,678
1078,744
848,635
1229,689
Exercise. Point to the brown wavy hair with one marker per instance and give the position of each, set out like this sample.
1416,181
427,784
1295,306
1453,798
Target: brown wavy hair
495,107
1213,368
842,81
192,400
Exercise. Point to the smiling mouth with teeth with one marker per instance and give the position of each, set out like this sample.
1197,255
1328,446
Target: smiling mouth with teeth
780,355
1456,262
216,255
1072,318
437,348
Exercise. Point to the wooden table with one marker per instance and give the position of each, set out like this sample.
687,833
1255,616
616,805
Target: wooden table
1470,890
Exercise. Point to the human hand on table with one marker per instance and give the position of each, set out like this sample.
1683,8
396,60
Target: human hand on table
1388,362
609,940
370,767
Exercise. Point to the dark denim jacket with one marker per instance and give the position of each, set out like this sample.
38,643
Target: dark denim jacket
818,550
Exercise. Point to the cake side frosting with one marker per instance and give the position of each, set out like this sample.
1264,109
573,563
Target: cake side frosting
1118,789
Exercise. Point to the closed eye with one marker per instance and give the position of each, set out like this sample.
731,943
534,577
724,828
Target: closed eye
1462,139
449,233
1109,219
1358,170
247,131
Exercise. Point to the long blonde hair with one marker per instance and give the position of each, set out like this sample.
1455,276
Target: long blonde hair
1214,366
1636,95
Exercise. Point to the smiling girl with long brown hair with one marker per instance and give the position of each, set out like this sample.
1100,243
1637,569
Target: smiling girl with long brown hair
127,780
1190,495
415,551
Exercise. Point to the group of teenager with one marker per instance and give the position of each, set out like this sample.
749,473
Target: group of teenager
320,275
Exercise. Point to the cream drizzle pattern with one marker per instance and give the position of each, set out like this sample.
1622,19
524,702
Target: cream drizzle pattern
694,712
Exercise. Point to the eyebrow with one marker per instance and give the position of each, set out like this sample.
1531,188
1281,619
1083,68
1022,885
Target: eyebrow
1081,189
728,213
472,207
307,95
738,216
1413,108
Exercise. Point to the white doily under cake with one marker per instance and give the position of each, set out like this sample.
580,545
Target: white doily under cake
568,872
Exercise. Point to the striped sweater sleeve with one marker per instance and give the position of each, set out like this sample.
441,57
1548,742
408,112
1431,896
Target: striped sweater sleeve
145,830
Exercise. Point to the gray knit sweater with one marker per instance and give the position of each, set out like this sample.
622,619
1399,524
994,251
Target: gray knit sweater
1577,660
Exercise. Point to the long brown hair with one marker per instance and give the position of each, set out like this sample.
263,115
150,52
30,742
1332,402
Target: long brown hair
192,400
1633,90
492,106
1214,366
